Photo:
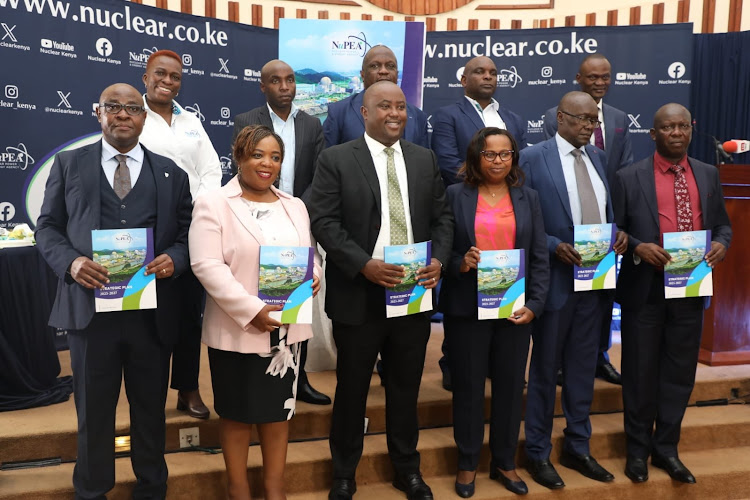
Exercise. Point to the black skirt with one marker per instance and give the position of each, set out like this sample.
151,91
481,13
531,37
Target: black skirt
247,390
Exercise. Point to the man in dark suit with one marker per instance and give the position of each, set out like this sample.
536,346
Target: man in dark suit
303,141
367,194
116,184
570,172
612,136
666,192
344,122
454,125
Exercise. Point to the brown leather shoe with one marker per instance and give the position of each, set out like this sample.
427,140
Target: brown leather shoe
192,404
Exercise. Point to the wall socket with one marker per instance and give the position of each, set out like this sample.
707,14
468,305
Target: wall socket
190,436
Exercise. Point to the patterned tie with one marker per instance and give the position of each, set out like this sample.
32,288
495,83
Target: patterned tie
122,177
598,138
682,199
589,206
396,213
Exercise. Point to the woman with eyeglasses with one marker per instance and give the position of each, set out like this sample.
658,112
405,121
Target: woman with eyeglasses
493,211
176,133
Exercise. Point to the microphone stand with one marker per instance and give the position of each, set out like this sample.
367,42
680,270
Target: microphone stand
721,156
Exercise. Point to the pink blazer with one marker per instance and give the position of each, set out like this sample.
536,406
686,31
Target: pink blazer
224,250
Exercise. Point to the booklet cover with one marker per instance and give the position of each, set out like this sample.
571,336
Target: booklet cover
501,283
408,297
285,277
594,243
125,253
687,274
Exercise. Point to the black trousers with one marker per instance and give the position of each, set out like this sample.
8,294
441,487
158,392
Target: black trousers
660,344
113,346
402,343
605,340
186,356
471,345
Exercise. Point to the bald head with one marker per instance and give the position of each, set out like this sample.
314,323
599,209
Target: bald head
480,80
121,129
120,88
379,64
576,115
278,84
594,76
672,131
384,112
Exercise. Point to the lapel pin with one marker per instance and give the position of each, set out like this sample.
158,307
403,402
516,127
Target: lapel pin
166,174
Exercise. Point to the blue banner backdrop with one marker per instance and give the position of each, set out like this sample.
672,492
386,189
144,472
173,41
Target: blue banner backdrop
59,56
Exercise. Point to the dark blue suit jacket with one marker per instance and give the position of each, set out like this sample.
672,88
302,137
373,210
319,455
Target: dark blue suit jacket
617,146
345,123
458,294
638,215
454,125
543,169
72,208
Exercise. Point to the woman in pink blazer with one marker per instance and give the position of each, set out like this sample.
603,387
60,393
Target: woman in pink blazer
253,358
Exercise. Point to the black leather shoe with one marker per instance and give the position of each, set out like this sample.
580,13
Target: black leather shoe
306,393
636,469
191,403
466,490
586,465
517,487
342,489
414,486
545,474
447,381
674,467
559,379
606,371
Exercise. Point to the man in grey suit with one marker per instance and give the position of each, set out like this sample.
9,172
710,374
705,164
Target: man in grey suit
375,191
303,141
612,136
116,183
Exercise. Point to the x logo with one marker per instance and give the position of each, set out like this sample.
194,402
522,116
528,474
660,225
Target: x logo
634,120
9,32
64,98
224,63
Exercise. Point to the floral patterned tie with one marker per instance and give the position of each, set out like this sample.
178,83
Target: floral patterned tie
682,199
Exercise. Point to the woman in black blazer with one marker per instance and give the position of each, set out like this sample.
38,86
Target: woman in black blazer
493,211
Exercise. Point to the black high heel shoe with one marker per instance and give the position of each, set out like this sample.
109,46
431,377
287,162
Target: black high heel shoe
517,487
466,490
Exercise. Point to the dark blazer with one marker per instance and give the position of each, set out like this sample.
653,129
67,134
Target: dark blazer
308,139
458,294
617,146
454,125
637,214
345,123
71,209
543,169
345,219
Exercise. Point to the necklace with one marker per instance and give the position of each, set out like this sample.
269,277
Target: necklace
502,191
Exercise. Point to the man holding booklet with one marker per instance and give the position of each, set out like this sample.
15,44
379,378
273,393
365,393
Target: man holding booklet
116,184
663,196
369,194
569,174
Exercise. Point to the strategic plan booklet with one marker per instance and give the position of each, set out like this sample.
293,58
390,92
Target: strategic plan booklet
408,297
285,278
125,253
501,283
687,274
594,243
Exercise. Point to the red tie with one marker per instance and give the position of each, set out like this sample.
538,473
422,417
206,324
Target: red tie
682,199
598,138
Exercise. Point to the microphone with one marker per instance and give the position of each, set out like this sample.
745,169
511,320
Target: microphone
722,156
736,146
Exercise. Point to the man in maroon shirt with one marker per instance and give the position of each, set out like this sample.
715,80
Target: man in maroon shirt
666,192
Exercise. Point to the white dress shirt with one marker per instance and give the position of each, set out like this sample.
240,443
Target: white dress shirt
110,163
185,142
564,148
379,158
285,130
490,115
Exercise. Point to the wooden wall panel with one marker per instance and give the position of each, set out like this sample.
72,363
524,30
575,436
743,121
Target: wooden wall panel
162,4
543,23
278,13
301,13
367,17
657,16
257,17
322,14
570,20
494,24
452,24
735,15
431,23
210,9
387,18
186,6
683,11
516,24
591,19
473,24
635,16
233,11
709,12
345,16
612,18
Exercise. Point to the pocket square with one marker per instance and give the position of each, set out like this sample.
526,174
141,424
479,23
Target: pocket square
619,130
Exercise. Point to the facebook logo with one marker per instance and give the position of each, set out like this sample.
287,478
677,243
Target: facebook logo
676,70
104,47
7,211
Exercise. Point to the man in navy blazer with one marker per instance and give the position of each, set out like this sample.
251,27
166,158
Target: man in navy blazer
567,334
661,338
87,190
454,125
344,122
594,76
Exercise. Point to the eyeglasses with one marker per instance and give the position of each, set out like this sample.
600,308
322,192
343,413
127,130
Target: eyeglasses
115,107
505,154
684,127
582,120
